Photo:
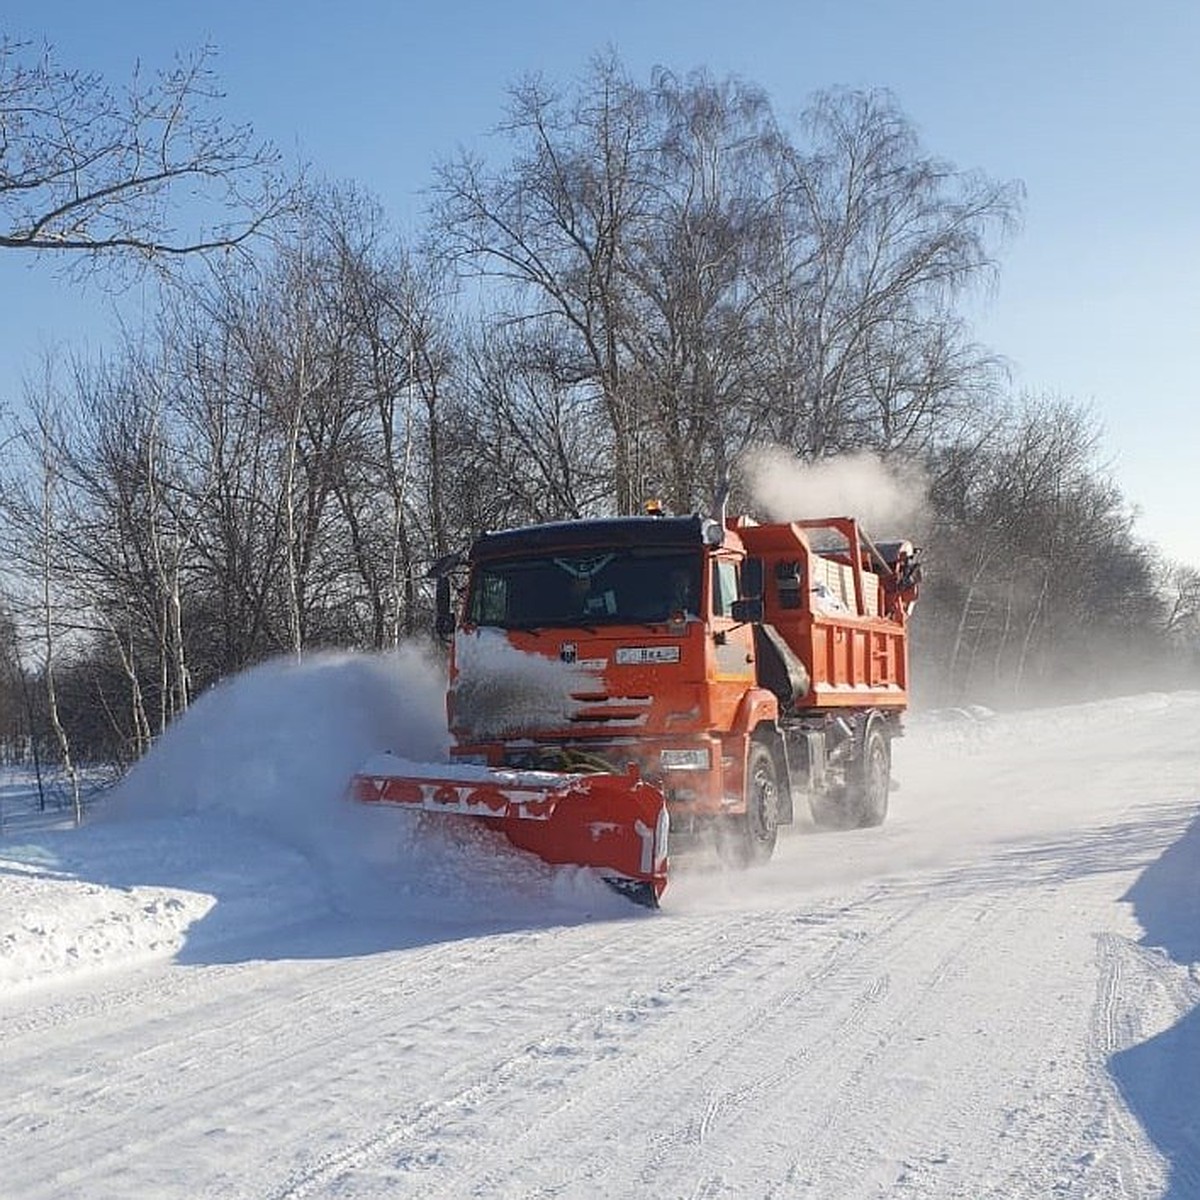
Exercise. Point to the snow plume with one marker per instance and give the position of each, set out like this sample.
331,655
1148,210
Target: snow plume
504,692
887,498
273,750
279,743
237,825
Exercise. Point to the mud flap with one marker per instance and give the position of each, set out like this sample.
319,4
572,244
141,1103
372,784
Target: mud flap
615,824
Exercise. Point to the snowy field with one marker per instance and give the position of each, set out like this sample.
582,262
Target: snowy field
232,984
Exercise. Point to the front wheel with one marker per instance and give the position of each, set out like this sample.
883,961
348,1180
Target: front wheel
749,840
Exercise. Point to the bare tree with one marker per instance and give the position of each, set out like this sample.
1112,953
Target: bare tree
140,523
1181,586
1040,587
534,436
38,539
696,304
875,242
152,173
13,723
391,485
664,275
711,280
228,450
557,225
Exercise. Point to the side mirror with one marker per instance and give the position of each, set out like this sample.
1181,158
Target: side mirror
748,610
444,623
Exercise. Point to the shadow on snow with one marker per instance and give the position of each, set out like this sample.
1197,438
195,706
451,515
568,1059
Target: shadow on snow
1160,1077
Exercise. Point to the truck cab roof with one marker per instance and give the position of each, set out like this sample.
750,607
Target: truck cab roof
690,531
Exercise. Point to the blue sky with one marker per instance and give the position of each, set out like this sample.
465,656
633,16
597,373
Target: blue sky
1094,105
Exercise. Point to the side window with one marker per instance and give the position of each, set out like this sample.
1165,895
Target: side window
724,587
491,600
789,582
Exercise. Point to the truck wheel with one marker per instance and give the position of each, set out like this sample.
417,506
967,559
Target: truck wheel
749,840
872,778
862,800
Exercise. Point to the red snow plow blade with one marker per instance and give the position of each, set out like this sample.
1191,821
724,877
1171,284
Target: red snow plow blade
616,824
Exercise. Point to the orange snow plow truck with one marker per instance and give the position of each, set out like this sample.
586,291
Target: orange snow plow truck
619,681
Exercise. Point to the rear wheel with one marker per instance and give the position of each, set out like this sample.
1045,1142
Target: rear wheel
862,800
750,839
874,777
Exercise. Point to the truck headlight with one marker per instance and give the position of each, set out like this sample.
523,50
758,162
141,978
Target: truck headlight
697,759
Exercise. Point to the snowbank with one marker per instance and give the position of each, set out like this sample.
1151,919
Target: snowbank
100,897
237,822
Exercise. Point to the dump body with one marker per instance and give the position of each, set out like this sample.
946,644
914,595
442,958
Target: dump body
842,618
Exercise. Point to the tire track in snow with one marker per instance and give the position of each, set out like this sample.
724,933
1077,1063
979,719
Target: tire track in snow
520,1070
844,1036
1135,988
45,1007
1057,1117
648,1066
847,969
193,1007
847,1079
1077,1139
329,1022
285,1031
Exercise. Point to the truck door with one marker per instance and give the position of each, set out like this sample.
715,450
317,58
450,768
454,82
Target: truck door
733,643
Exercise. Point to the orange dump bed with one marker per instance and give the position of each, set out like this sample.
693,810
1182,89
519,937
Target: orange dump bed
839,606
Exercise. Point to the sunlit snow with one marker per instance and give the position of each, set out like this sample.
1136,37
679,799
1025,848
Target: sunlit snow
233,982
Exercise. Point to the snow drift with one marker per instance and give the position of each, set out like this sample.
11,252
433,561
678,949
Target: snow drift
238,823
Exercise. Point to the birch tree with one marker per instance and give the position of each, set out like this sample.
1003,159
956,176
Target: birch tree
876,242
556,225
145,175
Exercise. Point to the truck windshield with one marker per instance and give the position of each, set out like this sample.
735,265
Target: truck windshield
597,587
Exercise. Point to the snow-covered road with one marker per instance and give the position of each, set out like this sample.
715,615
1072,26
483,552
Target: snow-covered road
997,994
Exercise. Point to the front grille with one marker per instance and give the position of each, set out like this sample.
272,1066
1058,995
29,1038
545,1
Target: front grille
611,712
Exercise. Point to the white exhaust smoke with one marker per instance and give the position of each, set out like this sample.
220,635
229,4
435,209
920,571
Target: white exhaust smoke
888,498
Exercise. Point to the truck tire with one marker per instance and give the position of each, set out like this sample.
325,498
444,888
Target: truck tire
749,840
862,800
872,778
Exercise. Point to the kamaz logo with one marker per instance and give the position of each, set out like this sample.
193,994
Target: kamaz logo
567,652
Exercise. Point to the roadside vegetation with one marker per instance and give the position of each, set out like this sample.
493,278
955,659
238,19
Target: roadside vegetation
647,283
